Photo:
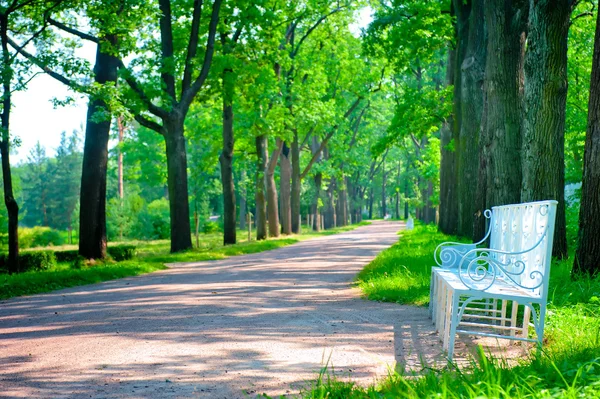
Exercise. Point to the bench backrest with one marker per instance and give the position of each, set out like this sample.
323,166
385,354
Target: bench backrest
525,231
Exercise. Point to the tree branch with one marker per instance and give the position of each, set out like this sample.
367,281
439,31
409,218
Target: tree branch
73,31
71,83
149,124
188,96
311,29
192,45
274,157
167,73
129,78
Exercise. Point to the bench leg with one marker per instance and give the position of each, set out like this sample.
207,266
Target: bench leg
526,316
513,318
453,325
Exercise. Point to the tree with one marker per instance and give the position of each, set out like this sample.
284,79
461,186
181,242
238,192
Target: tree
499,178
587,255
545,106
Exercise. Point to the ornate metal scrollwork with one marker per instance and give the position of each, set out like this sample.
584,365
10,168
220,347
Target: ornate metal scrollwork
480,273
449,254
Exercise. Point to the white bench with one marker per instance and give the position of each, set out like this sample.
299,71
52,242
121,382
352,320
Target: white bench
496,291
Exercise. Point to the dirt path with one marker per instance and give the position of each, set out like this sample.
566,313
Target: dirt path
255,323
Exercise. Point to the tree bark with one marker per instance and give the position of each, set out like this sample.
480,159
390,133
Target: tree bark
243,202
272,200
500,162
121,128
315,206
181,238
226,160
11,204
285,174
448,197
471,97
587,257
92,215
383,190
261,203
545,110
330,216
296,184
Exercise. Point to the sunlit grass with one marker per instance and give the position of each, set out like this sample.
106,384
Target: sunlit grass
151,256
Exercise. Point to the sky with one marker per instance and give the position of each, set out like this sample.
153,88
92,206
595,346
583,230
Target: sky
34,117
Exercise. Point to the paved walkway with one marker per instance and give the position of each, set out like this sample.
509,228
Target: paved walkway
255,323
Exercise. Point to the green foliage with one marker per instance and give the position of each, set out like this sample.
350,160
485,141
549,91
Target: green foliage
66,255
39,237
122,252
31,261
211,227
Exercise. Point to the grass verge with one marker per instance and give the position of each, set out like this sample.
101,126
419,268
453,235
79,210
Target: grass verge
568,367
151,256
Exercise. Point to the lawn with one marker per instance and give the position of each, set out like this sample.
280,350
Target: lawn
151,256
568,367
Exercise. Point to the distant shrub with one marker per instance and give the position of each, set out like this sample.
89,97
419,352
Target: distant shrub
66,256
211,227
122,252
31,261
39,236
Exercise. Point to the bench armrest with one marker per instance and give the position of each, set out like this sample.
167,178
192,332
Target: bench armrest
478,269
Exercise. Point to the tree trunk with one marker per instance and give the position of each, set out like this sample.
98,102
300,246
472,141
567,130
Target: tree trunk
181,236
92,215
330,216
315,206
448,197
545,110
243,203
272,200
285,174
296,184
342,205
121,128
471,96
587,258
383,190
503,91
371,203
9,199
261,203
226,160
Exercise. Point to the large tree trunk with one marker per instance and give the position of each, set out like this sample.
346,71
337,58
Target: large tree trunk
261,203
501,125
545,110
179,207
226,160
92,215
448,196
587,258
272,200
9,199
471,98
285,174
296,184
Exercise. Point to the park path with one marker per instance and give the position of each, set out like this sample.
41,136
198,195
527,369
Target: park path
254,323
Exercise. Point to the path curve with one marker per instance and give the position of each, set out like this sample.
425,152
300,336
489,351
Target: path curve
253,323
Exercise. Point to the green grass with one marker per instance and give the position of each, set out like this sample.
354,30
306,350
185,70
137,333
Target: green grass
151,256
568,367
